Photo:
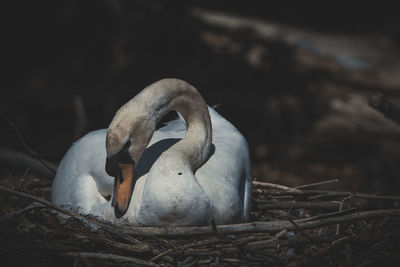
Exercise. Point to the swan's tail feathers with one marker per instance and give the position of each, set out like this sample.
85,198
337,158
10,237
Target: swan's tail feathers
247,199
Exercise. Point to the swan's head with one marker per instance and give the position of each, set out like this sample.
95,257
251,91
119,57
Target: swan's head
125,144
121,166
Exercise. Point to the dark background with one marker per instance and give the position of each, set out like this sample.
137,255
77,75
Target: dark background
301,95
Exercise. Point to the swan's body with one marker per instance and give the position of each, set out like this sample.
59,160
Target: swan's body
181,179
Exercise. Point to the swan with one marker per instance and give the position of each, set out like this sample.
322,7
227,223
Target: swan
191,172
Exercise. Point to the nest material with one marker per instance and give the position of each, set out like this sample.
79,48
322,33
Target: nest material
288,227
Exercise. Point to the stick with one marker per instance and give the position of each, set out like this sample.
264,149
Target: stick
280,205
33,153
330,214
161,254
123,246
275,186
300,230
112,257
340,209
314,194
296,225
316,184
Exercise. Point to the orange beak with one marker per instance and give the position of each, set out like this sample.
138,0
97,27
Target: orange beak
123,188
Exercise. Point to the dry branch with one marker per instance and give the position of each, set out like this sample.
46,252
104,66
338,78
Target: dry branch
316,194
275,186
32,152
317,184
281,205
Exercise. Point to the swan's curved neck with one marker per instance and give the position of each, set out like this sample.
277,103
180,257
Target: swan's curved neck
144,111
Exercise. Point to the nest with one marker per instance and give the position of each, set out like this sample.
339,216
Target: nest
289,226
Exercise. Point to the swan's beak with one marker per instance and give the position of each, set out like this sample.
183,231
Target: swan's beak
123,187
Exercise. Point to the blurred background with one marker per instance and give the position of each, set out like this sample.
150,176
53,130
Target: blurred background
314,88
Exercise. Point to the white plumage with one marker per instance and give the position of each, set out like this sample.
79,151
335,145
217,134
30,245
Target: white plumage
167,192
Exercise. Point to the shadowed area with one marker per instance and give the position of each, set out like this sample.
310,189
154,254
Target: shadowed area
151,154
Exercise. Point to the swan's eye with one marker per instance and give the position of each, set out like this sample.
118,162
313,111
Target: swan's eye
179,173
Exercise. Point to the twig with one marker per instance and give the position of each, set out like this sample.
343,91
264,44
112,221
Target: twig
280,205
251,241
316,184
275,186
300,230
314,194
356,195
330,214
161,254
112,257
32,152
296,225
339,240
18,213
340,209
123,246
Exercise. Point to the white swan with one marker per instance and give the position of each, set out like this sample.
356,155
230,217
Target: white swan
186,173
